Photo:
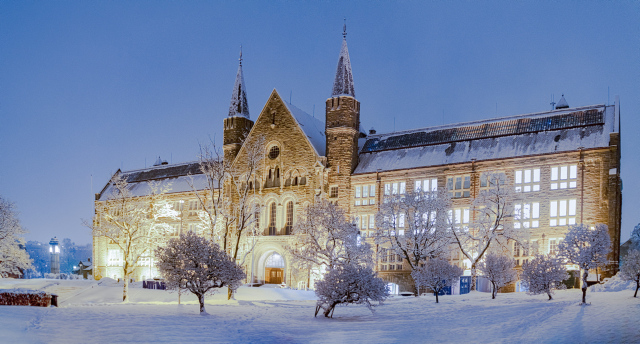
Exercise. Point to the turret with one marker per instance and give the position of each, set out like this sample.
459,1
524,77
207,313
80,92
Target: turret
342,127
237,125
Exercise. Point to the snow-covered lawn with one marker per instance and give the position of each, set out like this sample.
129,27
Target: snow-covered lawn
90,311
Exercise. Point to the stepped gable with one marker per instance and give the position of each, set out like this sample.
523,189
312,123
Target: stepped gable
541,133
312,128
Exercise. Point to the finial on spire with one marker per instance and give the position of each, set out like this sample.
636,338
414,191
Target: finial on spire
240,59
344,29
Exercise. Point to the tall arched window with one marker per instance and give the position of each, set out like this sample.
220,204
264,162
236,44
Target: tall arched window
289,226
272,219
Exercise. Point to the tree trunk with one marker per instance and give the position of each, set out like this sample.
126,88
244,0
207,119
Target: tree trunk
494,290
125,288
637,287
201,300
329,309
473,277
584,286
229,293
437,292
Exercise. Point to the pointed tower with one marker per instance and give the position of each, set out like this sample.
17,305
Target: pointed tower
238,124
342,123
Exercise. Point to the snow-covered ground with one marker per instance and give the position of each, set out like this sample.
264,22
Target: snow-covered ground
91,311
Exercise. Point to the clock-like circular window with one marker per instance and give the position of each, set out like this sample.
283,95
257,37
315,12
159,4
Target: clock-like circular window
274,152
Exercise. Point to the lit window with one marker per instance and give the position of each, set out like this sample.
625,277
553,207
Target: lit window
289,216
562,212
365,222
114,257
526,215
372,222
553,246
527,180
426,185
365,195
459,218
564,177
459,186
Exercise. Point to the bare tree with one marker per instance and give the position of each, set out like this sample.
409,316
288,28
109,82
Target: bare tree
13,258
198,265
135,224
436,274
489,226
408,225
499,270
586,247
228,206
324,237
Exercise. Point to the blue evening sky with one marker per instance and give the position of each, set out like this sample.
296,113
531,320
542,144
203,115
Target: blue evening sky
89,87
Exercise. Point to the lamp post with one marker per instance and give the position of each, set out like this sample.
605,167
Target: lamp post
54,252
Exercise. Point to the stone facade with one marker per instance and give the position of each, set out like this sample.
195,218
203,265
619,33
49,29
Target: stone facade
565,167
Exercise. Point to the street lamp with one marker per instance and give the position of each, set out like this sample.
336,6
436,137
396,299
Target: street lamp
54,252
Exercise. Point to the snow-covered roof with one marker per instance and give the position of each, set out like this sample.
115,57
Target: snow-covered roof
175,178
312,127
239,105
343,83
523,135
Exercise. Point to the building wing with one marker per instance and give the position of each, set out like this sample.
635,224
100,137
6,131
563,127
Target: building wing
175,178
516,136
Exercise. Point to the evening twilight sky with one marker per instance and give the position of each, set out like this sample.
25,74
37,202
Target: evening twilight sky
90,87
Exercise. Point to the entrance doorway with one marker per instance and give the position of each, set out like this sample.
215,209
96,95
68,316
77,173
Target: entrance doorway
274,269
273,275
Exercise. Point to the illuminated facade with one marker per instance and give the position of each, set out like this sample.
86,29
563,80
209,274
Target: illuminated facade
564,164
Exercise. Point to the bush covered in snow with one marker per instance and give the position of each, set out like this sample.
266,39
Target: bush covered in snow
350,283
543,274
630,271
436,274
198,265
499,270
63,276
613,284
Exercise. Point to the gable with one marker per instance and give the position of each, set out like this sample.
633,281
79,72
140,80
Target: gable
301,136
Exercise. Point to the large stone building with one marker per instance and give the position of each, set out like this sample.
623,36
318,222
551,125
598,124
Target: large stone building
564,164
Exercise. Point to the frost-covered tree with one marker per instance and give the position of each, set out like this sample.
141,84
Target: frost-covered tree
630,270
197,264
324,237
135,224
499,270
407,223
436,274
349,284
14,259
544,274
586,247
488,222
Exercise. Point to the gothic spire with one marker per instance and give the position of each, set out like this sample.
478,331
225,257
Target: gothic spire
343,84
239,105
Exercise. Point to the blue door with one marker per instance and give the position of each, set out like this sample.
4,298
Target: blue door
465,284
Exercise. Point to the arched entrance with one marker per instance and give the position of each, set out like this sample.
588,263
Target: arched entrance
274,269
